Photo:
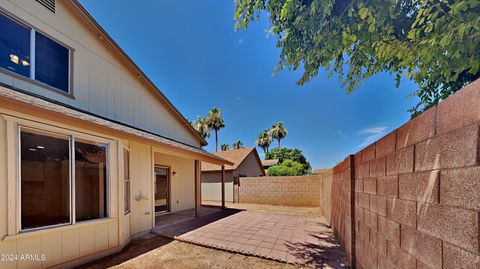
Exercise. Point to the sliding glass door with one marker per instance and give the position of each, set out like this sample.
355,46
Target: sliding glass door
162,186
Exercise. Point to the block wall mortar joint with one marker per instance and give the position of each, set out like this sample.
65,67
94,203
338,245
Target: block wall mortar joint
441,256
478,148
352,209
435,127
414,169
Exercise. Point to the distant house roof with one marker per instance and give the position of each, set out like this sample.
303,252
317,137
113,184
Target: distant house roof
268,163
319,171
236,156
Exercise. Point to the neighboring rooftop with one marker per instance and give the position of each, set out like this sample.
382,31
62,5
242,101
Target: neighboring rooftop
236,156
319,171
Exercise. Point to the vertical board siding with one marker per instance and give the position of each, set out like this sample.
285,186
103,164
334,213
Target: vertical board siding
102,84
182,187
141,176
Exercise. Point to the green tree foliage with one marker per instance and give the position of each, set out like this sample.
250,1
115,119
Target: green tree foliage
215,122
264,140
433,42
286,168
224,147
201,126
295,155
238,145
278,132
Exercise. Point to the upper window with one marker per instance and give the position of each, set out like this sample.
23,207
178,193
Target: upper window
14,46
51,62
31,54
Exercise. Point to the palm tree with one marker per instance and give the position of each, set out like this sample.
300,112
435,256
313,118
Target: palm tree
201,126
237,145
278,132
224,147
264,140
215,122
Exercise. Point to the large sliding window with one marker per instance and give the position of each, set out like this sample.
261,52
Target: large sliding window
45,179
31,54
90,180
63,179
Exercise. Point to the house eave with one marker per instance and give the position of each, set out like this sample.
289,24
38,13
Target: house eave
16,99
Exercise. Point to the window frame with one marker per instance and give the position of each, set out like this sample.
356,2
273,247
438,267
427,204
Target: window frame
31,77
72,136
125,211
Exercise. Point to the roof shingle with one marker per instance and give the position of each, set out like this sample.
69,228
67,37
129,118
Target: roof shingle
235,156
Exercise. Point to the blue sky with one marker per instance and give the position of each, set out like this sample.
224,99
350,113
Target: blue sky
191,52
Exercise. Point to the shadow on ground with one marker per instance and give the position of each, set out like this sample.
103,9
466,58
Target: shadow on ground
177,229
135,248
326,252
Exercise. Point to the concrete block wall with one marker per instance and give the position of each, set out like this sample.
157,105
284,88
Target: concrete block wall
325,202
342,205
287,191
413,198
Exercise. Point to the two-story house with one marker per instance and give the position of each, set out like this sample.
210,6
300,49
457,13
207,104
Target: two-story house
90,149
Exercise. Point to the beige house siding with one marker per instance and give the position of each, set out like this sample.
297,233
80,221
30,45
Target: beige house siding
182,189
250,167
141,180
102,83
74,244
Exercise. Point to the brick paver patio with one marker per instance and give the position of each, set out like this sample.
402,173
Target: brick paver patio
301,240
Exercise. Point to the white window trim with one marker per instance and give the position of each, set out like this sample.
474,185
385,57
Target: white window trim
125,212
31,78
14,127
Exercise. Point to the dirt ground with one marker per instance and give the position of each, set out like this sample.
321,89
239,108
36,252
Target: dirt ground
153,251
167,254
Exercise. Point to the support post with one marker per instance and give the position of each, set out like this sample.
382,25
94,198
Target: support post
223,186
198,189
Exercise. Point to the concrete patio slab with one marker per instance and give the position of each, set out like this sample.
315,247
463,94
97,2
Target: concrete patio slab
301,240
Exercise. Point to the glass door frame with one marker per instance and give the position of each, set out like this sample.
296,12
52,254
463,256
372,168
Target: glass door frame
168,168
